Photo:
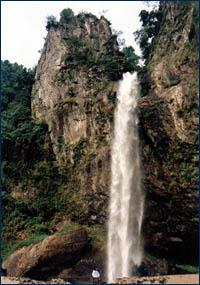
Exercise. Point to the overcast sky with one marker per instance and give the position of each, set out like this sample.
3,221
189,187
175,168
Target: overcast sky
23,24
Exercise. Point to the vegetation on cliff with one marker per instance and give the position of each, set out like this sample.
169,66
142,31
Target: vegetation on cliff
22,149
168,130
55,167
81,51
37,193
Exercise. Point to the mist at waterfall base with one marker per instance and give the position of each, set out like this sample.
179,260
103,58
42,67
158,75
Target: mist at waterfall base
125,246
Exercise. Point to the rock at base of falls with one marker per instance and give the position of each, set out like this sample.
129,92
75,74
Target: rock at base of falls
49,257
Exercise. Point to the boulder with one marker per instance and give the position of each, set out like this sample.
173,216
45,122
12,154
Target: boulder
49,257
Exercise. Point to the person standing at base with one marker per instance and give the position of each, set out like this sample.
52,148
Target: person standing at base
95,276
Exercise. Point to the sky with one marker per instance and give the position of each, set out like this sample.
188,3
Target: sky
23,24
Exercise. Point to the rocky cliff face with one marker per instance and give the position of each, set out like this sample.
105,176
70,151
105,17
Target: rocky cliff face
75,95
169,136
68,176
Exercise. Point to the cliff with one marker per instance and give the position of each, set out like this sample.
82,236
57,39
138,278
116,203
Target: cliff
169,135
74,93
58,175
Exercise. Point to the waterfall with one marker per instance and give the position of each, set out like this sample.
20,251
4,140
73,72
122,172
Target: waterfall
126,196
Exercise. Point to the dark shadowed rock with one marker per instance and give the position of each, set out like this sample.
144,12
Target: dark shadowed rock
153,267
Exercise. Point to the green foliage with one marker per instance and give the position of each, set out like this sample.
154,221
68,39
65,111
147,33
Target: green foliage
21,136
78,150
112,97
16,84
68,227
32,239
189,268
83,15
14,215
74,42
97,234
110,64
66,15
79,56
51,21
190,104
147,113
43,187
150,27
113,64
101,119
144,81
171,81
62,76
131,59
68,101
189,174
11,246
28,180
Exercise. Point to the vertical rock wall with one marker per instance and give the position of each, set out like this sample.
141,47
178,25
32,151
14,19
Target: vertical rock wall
75,94
169,135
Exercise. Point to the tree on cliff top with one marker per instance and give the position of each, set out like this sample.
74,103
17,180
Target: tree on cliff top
150,27
51,22
66,15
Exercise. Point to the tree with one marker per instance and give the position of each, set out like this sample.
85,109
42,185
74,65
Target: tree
20,134
51,22
66,15
131,59
150,28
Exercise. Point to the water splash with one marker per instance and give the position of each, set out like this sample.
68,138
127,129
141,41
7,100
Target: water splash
126,196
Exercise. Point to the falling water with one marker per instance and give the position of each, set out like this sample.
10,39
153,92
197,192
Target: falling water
126,197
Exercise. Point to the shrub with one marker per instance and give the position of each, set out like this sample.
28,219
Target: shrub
131,59
188,267
69,227
171,80
112,97
83,15
12,245
51,22
144,81
79,150
66,15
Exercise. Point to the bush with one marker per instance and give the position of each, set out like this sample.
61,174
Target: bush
172,81
144,81
82,16
51,22
150,27
66,15
187,267
11,246
68,227
79,150
131,59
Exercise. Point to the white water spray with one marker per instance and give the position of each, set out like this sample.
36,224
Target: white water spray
126,197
